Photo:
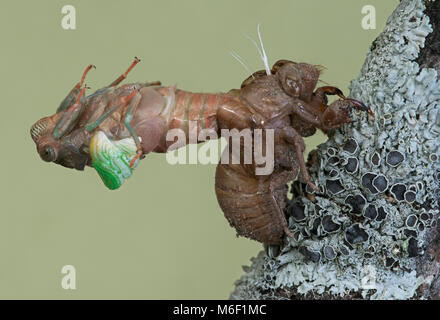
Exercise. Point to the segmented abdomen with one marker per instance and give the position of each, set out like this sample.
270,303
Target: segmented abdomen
195,111
248,202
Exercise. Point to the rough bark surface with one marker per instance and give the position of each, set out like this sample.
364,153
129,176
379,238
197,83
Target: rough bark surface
373,230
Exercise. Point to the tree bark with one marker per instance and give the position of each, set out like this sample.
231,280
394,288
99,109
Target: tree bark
373,230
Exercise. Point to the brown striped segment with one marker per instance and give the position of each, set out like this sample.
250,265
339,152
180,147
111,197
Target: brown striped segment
170,96
198,107
193,115
202,112
212,102
176,119
187,105
196,102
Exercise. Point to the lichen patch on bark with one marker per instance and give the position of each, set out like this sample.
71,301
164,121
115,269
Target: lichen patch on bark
372,231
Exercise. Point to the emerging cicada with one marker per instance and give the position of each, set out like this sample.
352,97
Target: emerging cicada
115,127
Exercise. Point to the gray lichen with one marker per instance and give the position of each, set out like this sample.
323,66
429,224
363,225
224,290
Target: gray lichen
379,183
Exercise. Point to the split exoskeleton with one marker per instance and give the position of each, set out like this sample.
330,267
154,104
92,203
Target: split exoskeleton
115,127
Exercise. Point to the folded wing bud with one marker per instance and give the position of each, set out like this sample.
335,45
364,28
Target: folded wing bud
111,159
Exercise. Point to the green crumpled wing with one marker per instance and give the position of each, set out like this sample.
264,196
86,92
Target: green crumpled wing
111,159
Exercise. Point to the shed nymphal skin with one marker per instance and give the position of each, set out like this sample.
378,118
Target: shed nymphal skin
286,102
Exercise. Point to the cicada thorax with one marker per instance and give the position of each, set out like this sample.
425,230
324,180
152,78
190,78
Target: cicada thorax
108,101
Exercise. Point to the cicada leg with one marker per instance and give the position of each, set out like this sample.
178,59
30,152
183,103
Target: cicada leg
68,120
322,92
339,113
124,75
127,121
90,126
134,98
294,138
73,94
333,116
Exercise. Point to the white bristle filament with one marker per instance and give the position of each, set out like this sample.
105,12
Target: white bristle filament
261,50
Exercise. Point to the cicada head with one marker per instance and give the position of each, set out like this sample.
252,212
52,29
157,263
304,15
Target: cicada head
41,133
65,151
297,79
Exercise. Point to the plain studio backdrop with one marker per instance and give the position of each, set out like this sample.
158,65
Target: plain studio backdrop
162,235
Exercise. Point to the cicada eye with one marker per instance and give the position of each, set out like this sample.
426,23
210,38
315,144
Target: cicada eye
48,154
292,86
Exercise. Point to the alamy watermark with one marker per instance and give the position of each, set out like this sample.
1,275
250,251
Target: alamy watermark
244,147
68,282
68,21
368,22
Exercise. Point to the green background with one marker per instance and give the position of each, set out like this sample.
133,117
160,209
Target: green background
162,235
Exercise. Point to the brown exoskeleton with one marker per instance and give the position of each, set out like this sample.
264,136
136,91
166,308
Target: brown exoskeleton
286,102
114,127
